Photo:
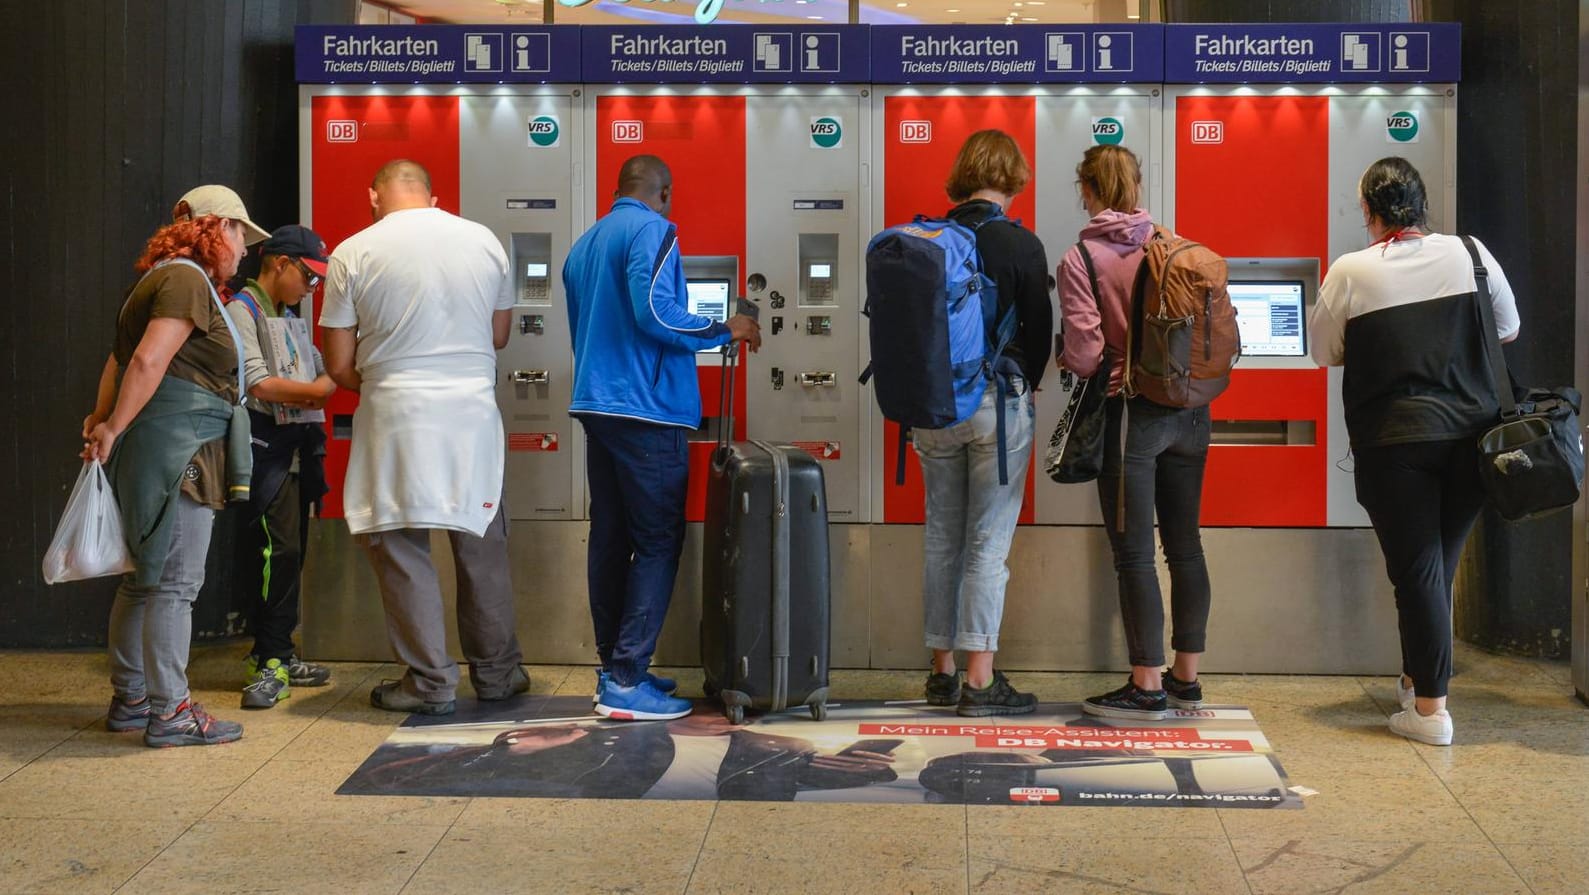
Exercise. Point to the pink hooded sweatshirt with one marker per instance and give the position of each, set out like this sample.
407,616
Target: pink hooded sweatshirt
1114,240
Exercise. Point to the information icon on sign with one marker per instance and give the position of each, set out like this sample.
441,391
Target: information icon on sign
532,53
819,52
1062,52
1360,51
482,52
1409,51
774,52
1112,52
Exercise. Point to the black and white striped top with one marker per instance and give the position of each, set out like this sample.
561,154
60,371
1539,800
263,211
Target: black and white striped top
1400,317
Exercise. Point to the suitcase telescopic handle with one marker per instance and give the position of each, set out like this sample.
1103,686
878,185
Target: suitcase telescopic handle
725,403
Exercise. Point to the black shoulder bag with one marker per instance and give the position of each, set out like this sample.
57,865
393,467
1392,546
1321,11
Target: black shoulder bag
1532,461
1075,450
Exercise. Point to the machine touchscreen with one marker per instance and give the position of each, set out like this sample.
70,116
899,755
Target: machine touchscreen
708,298
1270,316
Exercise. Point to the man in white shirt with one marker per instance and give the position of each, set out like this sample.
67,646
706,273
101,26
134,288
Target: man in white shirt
416,305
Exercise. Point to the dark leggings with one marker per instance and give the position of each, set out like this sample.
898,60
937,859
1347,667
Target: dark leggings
1423,499
1166,450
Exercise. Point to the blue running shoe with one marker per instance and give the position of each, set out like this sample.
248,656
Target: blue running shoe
642,702
665,684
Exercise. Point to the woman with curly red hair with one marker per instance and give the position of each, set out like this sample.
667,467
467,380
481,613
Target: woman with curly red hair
175,443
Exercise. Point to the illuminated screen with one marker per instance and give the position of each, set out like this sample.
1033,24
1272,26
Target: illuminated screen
1269,314
708,298
535,270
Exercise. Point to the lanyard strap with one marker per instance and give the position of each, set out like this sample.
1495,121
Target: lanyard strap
237,341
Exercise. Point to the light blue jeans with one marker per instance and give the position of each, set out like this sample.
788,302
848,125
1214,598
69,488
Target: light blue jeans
971,519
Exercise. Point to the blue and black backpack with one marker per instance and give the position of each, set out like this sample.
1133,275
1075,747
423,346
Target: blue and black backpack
935,342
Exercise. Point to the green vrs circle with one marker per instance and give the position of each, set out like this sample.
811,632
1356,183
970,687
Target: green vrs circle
1402,126
544,130
1108,131
827,132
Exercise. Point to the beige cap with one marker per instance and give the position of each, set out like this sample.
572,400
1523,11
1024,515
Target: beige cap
221,201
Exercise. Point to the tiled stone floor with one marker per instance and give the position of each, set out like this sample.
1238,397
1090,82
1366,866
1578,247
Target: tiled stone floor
1504,810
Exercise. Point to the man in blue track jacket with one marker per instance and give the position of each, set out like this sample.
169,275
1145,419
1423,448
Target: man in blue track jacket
636,395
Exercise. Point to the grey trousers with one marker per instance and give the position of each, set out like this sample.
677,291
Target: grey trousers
415,625
151,627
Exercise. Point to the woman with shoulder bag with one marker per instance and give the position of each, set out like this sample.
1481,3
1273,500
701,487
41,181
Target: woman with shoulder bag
1166,449
177,445
1400,316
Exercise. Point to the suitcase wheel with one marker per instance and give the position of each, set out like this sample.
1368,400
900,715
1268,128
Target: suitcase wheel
735,713
819,711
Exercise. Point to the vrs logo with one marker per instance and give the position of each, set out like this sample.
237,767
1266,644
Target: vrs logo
1108,131
544,131
827,132
1401,127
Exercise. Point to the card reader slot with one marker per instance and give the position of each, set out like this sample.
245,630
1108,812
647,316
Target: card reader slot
1264,432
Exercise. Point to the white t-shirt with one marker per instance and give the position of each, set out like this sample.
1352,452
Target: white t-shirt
420,285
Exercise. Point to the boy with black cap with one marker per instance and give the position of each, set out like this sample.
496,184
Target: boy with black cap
288,466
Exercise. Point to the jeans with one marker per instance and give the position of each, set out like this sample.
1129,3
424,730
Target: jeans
639,476
971,519
1422,499
151,627
1165,452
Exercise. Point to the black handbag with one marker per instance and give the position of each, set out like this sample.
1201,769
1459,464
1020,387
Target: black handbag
1075,450
1532,461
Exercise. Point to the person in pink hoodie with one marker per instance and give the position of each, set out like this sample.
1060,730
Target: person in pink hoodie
1165,449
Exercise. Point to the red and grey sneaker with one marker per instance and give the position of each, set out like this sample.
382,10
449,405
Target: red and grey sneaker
1130,702
190,726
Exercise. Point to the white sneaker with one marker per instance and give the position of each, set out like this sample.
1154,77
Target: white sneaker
1432,729
1404,696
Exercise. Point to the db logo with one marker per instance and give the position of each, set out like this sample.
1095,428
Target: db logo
1030,794
342,131
1194,713
1208,132
915,132
627,131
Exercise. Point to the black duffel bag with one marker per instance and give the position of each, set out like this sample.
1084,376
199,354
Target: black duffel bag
1531,462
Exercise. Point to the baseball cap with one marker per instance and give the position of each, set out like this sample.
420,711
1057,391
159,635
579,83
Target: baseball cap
295,241
221,201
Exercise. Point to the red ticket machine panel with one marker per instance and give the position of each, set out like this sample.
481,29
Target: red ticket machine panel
702,140
353,136
1261,192
921,137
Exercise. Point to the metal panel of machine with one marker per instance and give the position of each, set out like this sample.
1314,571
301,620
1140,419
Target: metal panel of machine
803,249
518,176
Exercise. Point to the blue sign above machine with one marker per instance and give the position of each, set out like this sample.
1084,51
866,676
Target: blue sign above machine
430,54
1309,53
745,54
1022,54
881,54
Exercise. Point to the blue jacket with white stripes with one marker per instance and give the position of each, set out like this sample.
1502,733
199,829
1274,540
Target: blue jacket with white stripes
634,338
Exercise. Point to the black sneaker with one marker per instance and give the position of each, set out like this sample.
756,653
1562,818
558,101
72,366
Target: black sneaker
1129,701
943,689
997,698
1182,694
306,674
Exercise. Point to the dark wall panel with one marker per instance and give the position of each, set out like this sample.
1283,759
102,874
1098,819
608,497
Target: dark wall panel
115,109
1517,162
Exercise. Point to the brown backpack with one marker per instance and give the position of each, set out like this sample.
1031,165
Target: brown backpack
1182,341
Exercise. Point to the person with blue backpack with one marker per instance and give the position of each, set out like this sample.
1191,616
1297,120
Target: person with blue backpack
960,332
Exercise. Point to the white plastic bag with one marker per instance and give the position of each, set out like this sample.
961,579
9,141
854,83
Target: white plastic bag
88,542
